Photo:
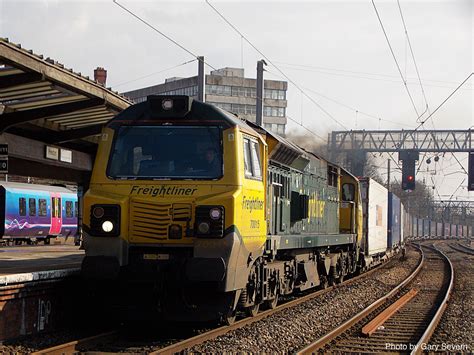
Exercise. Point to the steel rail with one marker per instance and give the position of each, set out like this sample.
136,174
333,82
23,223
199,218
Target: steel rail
311,348
72,346
439,313
212,334
462,248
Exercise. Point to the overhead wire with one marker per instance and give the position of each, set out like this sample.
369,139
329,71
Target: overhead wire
462,182
356,110
162,34
306,128
413,55
275,66
154,73
314,69
445,100
345,105
396,61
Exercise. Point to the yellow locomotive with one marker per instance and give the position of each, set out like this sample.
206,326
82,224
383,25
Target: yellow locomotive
197,214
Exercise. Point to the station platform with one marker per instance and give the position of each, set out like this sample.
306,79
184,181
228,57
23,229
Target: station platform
40,287
16,260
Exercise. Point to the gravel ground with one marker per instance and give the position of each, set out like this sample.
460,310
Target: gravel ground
292,329
34,343
457,324
285,331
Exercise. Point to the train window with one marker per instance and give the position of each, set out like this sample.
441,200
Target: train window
69,212
58,207
42,207
32,206
76,209
257,171
166,152
22,206
332,176
252,160
348,192
247,159
283,187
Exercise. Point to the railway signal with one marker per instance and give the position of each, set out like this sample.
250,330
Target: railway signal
409,158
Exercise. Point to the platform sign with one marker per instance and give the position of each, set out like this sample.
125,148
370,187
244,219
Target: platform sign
4,149
3,165
3,158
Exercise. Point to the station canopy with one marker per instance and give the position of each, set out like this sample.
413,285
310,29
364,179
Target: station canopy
42,103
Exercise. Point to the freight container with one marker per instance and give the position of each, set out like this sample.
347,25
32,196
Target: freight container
393,221
419,223
453,231
447,230
426,227
405,225
374,206
432,229
439,229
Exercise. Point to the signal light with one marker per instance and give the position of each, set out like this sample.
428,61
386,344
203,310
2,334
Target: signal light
408,168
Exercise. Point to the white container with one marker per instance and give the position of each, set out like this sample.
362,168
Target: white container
375,210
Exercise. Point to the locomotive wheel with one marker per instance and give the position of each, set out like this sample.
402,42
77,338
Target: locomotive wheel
324,283
252,311
340,279
271,304
229,318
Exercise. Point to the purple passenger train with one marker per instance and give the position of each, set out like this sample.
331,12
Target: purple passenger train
37,211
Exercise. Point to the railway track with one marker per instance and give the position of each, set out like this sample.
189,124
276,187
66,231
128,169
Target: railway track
73,346
181,345
462,248
408,327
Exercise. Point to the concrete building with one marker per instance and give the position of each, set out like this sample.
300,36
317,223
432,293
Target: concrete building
229,89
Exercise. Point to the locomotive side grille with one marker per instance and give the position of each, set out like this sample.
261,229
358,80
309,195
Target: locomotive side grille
149,219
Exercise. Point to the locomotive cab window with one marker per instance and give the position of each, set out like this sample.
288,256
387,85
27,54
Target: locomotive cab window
32,206
348,192
22,206
167,152
253,168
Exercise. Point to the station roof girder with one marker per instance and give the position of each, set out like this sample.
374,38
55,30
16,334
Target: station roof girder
44,102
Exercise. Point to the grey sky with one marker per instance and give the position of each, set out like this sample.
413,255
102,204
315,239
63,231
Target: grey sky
340,43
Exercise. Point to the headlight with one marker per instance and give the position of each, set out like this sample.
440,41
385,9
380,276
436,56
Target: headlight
107,226
204,227
105,220
175,231
215,213
209,221
98,212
